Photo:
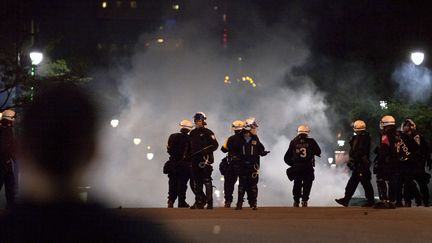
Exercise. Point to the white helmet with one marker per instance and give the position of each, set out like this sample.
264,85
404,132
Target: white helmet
250,123
237,125
303,129
8,115
359,125
410,123
186,124
387,121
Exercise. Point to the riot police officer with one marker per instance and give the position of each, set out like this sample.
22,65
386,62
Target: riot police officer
229,167
301,157
387,166
179,165
251,150
203,144
7,156
420,157
359,164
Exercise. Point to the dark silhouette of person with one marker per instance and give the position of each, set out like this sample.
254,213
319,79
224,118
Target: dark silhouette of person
56,145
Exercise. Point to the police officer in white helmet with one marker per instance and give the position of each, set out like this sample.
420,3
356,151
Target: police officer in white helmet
301,157
178,166
229,167
359,164
250,149
387,166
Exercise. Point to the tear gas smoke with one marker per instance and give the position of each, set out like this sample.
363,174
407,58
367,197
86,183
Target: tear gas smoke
414,81
165,85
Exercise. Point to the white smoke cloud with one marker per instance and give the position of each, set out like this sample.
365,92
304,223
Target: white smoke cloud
414,81
165,85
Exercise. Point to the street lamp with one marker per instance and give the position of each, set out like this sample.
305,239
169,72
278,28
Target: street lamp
36,58
417,57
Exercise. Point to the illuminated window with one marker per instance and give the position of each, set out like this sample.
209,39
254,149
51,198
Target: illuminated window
119,3
104,4
133,4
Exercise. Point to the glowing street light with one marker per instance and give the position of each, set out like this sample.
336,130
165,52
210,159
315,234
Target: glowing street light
417,57
150,156
341,143
330,160
36,57
114,123
137,141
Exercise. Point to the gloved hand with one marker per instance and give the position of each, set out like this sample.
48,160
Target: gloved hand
265,153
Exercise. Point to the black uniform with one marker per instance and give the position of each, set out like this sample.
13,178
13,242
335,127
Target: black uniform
250,149
229,167
360,165
203,143
301,157
387,167
7,160
409,152
178,148
419,175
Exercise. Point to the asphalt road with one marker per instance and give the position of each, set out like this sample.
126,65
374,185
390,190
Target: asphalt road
287,224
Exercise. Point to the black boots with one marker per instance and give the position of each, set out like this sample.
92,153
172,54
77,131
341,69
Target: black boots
342,201
170,203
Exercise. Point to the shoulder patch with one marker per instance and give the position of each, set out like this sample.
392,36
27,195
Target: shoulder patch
385,140
254,142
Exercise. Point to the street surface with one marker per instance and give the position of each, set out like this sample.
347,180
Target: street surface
287,224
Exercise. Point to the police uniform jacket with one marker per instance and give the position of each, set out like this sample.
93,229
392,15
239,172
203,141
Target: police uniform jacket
201,138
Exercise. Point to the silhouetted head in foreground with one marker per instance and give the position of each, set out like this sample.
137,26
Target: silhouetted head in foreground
57,142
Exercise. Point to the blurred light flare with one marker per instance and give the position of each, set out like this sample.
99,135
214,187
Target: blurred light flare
417,58
36,57
137,141
383,104
150,156
114,123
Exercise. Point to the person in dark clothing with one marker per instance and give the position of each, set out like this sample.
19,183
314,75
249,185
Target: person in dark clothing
56,146
420,157
301,157
203,144
229,167
7,157
387,166
360,165
179,164
250,151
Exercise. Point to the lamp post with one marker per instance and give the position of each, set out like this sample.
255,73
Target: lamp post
36,58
